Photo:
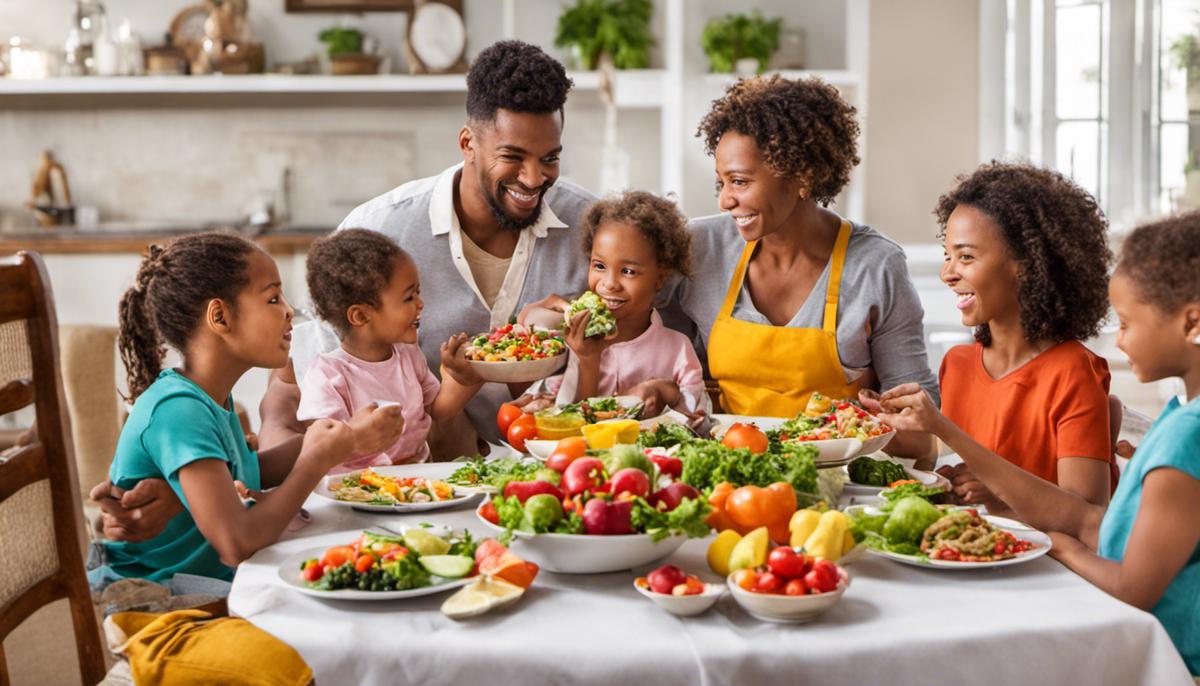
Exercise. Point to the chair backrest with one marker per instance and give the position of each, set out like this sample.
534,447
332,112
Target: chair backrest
41,521
88,355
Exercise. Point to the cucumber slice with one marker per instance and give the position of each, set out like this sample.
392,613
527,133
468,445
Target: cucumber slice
447,566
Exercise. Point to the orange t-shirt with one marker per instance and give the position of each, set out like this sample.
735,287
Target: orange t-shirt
1053,407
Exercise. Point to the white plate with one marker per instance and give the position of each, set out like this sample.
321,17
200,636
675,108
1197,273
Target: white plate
429,470
928,479
289,574
832,452
582,554
1021,531
541,449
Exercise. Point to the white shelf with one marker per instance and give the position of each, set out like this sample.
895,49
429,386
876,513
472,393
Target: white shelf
634,88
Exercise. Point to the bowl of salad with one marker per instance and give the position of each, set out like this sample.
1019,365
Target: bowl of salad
516,354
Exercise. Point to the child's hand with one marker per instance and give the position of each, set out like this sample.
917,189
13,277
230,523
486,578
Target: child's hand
547,312
457,366
586,348
908,407
376,428
657,395
328,442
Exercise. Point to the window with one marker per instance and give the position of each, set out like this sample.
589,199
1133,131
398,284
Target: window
1177,115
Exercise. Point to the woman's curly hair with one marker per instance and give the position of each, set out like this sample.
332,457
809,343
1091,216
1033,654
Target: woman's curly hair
349,267
804,128
515,76
1163,261
658,219
1058,236
173,287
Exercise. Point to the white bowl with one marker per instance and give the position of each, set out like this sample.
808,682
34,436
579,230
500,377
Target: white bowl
518,372
541,449
788,609
684,605
581,554
830,452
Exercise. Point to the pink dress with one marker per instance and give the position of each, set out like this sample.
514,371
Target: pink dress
659,353
338,383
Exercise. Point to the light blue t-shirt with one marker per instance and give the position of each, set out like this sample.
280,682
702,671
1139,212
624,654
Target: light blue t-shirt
1173,442
174,423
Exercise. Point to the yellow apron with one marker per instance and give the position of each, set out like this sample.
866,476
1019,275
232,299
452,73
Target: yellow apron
770,371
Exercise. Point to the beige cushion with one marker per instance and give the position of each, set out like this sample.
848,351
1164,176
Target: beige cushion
90,384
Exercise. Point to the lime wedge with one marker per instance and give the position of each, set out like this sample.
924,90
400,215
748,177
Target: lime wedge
425,543
447,566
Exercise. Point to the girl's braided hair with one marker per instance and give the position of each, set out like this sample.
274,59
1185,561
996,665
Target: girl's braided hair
173,287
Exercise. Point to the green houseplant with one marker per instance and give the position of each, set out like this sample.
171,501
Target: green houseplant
733,37
342,41
617,28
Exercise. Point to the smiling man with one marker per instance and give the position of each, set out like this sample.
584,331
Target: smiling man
489,234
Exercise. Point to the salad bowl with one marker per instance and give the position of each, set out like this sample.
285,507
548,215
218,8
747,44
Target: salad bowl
588,554
788,609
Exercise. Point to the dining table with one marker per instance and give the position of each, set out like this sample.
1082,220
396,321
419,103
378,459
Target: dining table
1030,623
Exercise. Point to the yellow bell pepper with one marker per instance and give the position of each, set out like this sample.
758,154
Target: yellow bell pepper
607,434
803,523
829,538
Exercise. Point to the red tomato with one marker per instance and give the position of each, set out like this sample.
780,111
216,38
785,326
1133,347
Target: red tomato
488,512
364,563
575,446
823,577
506,416
314,572
769,583
745,436
337,556
523,428
559,461
786,562
796,587
631,480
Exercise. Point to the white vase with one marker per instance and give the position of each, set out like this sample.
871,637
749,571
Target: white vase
747,66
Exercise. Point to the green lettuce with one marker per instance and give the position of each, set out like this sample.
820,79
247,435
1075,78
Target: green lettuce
602,322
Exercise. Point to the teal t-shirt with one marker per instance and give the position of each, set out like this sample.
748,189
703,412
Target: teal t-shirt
174,423
1173,442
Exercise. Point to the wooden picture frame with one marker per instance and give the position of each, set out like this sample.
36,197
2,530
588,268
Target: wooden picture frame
348,5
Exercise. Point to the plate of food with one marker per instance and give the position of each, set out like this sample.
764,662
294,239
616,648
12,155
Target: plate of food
516,354
913,531
830,453
480,475
398,488
378,566
869,475
825,419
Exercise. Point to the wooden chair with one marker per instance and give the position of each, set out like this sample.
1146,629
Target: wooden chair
42,538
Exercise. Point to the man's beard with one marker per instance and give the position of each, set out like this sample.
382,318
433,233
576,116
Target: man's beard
503,218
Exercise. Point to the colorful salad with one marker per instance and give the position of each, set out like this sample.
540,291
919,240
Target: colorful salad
515,343
602,322
824,419
368,486
494,473
378,562
964,536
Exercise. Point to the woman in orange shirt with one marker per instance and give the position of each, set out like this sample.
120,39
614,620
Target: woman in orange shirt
1027,256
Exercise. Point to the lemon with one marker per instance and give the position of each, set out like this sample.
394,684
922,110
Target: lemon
447,566
720,549
424,543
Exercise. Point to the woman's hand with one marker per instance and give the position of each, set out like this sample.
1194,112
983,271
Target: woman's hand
908,407
328,442
967,489
586,348
532,403
546,313
456,365
375,429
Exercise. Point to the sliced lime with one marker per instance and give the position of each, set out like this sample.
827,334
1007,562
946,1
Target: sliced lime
425,543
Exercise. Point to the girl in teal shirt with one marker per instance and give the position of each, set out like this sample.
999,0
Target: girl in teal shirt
216,298
1145,547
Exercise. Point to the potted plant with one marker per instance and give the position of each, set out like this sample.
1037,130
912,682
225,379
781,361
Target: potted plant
346,56
1185,51
618,29
732,41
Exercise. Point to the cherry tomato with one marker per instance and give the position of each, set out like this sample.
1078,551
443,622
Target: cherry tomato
523,428
745,579
769,582
745,436
796,587
786,562
337,556
314,571
364,563
506,416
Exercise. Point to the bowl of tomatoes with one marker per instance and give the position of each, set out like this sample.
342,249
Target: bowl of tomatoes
516,354
791,588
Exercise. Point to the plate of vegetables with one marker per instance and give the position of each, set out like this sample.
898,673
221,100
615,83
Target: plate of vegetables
825,419
869,475
396,488
381,566
516,354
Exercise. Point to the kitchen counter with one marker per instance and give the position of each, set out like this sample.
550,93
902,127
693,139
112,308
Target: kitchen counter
72,241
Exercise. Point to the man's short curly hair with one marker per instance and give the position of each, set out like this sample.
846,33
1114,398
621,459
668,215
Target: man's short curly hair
515,76
804,128
349,267
658,219
1058,236
1162,259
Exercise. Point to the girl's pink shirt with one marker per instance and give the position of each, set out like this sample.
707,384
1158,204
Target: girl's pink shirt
338,383
659,353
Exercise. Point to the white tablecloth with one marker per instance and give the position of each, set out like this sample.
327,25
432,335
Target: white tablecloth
1035,623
